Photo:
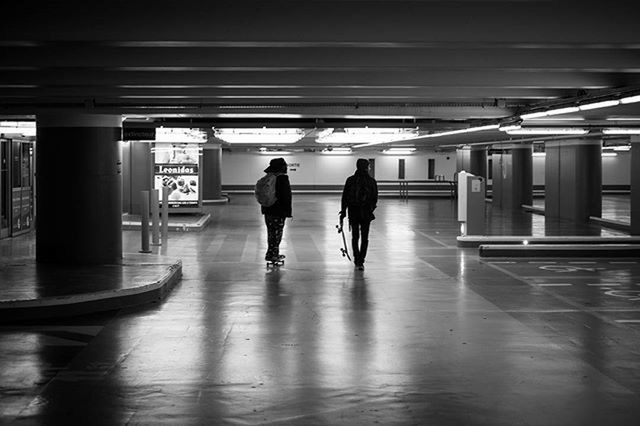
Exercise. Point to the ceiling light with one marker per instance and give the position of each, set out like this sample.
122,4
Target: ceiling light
24,128
609,154
273,152
539,154
365,135
180,135
259,136
630,99
258,115
510,128
558,111
337,151
548,131
596,105
399,151
620,148
460,131
621,131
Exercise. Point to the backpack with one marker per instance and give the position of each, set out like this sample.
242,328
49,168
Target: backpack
361,193
265,190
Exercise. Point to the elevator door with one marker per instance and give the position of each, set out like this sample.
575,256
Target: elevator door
5,189
21,187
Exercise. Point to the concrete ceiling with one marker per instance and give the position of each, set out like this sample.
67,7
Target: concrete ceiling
435,64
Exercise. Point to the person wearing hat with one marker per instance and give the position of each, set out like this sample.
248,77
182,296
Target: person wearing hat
275,215
359,199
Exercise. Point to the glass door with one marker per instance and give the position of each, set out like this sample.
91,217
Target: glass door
21,187
5,186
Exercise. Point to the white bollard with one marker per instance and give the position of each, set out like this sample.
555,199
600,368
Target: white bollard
144,221
165,213
155,218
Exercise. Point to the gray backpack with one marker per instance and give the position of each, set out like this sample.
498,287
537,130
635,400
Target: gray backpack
265,190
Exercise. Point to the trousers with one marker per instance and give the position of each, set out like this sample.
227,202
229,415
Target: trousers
359,239
275,227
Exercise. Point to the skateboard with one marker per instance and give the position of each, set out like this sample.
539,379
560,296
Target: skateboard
275,263
343,249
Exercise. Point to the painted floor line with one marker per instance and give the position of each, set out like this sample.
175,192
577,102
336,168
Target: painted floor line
603,284
629,321
555,285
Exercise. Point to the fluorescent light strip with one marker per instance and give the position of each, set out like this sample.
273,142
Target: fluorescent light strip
337,151
584,107
609,154
275,153
399,151
630,99
260,136
436,135
366,136
596,105
621,131
25,128
258,115
619,148
565,110
548,131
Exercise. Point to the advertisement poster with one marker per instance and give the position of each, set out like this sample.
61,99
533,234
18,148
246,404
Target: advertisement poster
177,167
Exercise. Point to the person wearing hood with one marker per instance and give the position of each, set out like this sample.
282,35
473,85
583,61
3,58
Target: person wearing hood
276,214
359,200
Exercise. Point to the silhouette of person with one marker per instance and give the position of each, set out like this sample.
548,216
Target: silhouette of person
276,214
359,200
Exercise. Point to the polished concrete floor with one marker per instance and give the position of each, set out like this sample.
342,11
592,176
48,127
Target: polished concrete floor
428,333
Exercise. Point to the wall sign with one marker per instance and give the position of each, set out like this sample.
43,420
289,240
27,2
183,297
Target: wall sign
177,167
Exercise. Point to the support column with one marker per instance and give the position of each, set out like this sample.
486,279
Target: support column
478,161
212,171
635,184
573,179
79,188
512,177
463,159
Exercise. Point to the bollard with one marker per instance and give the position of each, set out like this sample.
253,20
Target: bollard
165,212
155,218
144,221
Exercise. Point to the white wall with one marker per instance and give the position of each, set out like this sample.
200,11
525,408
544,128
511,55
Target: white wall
245,168
616,170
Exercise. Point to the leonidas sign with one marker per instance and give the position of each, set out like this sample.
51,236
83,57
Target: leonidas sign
176,169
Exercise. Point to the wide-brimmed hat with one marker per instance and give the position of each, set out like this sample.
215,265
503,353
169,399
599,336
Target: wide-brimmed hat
276,165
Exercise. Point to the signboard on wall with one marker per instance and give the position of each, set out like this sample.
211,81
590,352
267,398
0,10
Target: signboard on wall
177,167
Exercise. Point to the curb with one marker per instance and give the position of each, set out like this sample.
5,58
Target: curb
79,304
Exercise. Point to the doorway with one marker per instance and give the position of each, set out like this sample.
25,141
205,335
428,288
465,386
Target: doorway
21,177
5,185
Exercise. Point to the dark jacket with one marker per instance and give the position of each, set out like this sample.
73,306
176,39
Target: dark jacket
357,209
282,206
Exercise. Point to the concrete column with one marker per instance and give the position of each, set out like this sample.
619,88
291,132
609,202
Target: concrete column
478,161
573,179
463,159
512,176
79,188
212,172
635,184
